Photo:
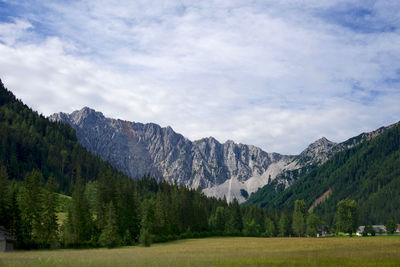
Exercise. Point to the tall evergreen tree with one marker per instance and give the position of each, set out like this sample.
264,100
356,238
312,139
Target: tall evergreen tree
79,224
270,230
32,206
220,219
299,217
110,237
49,234
284,225
234,225
4,197
145,237
16,224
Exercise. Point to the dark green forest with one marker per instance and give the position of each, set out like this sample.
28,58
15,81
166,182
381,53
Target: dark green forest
368,173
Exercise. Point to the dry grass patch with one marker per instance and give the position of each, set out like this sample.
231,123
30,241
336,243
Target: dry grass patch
225,252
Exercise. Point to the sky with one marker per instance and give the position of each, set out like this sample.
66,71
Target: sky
275,74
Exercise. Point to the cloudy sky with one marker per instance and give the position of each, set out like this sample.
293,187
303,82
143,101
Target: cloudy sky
276,74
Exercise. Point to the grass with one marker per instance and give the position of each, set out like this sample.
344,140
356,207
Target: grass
235,251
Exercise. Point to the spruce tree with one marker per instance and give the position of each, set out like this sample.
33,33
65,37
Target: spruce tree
269,228
299,217
49,234
79,224
32,207
4,197
234,225
220,220
110,237
284,225
145,238
15,225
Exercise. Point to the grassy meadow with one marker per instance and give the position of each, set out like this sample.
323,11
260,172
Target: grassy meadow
234,251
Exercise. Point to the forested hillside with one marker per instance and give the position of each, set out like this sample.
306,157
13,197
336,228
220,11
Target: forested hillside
368,173
30,141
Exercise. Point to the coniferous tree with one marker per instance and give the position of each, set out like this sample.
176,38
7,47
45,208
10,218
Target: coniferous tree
299,217
32,207
49,234
284,225
79,224
110,237
16,224
220,219
159,215
145,238
269,228
234,225
4,197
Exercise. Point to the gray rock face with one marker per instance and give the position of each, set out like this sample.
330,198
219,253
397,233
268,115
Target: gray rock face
222,170
229,169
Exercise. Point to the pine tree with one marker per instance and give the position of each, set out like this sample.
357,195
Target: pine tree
110,237
284,225
79,224
234,225
159,215
269,228
16,224
32,206
49,234
299,217
220,219
145,236
4,197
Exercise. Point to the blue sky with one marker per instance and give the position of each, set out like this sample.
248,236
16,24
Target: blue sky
275,74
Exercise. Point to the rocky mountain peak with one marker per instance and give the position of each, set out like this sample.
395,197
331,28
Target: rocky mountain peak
85,114
229,169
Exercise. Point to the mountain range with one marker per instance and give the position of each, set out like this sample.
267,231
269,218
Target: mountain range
227,169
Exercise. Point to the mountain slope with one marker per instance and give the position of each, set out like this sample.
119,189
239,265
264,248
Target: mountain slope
30,141
316,154
368,173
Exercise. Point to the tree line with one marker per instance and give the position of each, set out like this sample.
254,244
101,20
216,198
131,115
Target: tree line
114,211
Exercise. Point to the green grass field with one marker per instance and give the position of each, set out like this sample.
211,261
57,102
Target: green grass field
225,252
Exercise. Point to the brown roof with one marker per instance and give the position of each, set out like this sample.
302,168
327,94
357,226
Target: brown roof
5,235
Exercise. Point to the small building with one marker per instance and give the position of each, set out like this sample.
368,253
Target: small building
398,229
322,231
6,240
378,229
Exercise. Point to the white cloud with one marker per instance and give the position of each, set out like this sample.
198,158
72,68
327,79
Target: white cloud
276,74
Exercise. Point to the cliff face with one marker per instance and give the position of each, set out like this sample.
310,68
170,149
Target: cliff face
229,169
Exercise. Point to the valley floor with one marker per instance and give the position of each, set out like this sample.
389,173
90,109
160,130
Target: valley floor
225,252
